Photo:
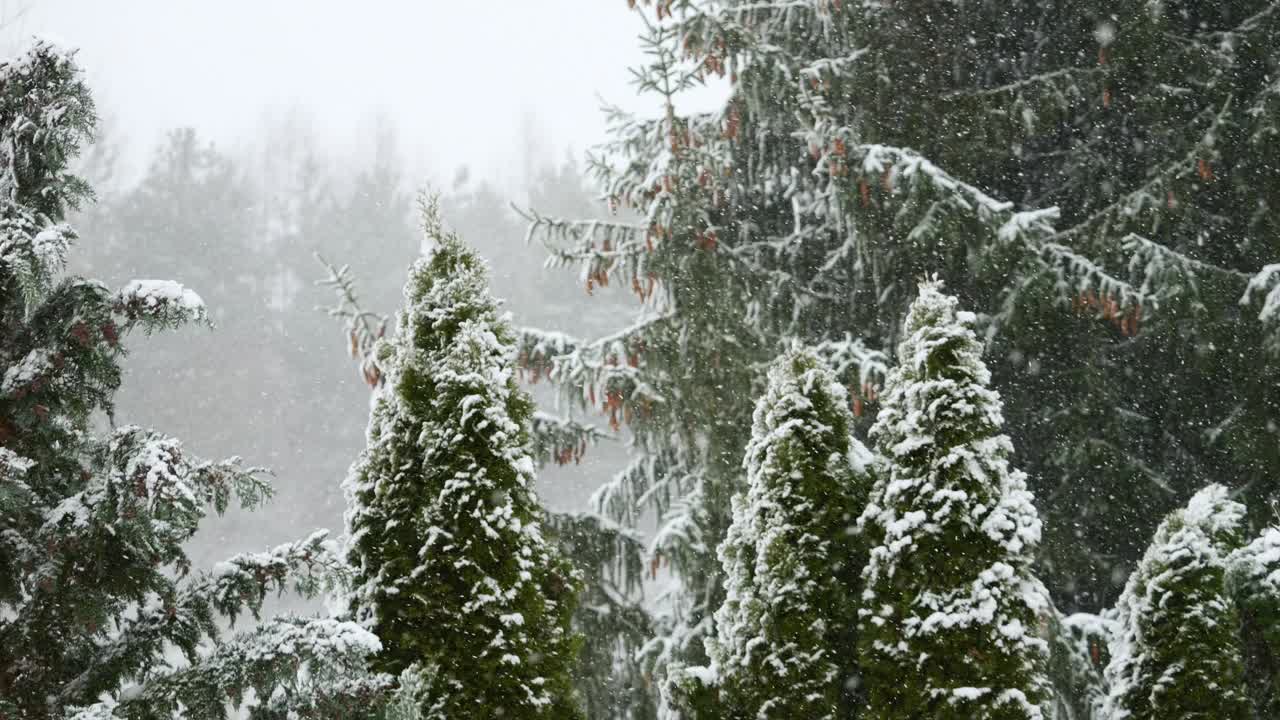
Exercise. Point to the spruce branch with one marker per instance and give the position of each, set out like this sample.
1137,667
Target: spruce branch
363,328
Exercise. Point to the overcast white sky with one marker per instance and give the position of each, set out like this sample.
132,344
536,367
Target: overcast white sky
460,79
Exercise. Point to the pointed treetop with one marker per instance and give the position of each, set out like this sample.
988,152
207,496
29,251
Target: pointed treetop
435,236
1214,513
46,114
933,320
447,288
940,356
1177,652
953,533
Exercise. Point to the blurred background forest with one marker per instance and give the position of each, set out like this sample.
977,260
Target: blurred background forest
271,381
226,160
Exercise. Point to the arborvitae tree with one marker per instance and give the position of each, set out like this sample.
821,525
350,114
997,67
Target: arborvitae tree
446,535
1090,177
791,561
1177,652
951,611
96,591
1253,579
608,617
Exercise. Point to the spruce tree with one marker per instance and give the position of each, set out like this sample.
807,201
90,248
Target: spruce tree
951,612
453,571
1090,177
1177,653
791,561
1253,580
97,593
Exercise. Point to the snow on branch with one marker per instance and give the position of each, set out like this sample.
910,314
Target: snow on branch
1164,270
1250,24
849,357
33,252
1266,283
364,328
1254,570
930,202
184,618
309,566
265,660
860,368
1028,223
651,483
536,351
888,164
604,373
649,162
1157,193
611,555
818,67
1051,93
145,472
1078,276
680,537
561,440
603,250
46,115
148,493
1263,112
1061,82
160,303
900,170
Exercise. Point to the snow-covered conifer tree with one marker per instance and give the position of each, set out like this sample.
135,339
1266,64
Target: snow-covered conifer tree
1253,579
96,591
951,611
445,531
787,628
1177,652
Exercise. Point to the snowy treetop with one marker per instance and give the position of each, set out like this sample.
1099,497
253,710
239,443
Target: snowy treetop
953,521
790,562
1176,595
1256,566
45,114
938,395
442,504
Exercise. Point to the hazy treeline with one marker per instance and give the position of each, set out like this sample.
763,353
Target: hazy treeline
270,381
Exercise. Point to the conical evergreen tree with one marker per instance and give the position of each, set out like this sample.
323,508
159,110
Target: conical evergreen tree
1253,579
791,562
96,588
1177,653
951,610
446,534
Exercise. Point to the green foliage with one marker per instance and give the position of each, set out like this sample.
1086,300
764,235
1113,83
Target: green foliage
47,115
96,590
446,534
613,626
1253,581
791,561
1177,652
951,612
